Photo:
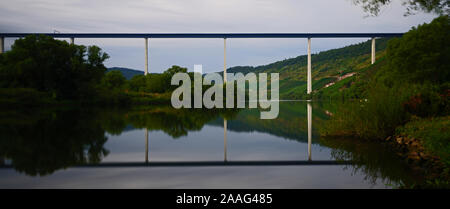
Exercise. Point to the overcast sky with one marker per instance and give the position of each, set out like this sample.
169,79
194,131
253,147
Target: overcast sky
205,16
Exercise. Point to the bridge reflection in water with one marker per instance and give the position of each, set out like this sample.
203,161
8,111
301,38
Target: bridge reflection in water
225,161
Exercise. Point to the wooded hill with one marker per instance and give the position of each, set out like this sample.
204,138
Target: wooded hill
327,67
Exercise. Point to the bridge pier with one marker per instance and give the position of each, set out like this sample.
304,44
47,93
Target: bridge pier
146,56
373,50
72,40
224,60
309,82
2,44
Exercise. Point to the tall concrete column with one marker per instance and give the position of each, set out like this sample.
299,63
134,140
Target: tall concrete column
146,145
146,56
309,110
2,44
373,50
224,139
309,82
72,40
224,60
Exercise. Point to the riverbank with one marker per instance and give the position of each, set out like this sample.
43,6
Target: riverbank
27,97
423,143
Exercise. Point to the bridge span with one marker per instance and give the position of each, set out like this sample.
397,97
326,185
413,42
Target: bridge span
223,36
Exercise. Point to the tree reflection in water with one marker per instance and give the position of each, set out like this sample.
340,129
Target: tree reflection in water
38,143
374,160
41,142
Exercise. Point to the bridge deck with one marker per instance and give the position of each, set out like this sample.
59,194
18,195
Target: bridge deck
206,35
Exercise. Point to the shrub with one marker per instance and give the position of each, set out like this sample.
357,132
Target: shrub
113,80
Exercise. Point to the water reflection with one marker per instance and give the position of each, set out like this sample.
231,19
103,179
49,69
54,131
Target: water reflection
146,145
374,160
42,142
225,140
308,105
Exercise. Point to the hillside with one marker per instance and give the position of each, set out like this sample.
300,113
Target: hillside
127,72
327,67
352,87
332,71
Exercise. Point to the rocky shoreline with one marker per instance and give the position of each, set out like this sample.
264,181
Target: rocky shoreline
414,153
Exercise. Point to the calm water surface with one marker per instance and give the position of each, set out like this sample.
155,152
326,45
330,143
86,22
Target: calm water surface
43,149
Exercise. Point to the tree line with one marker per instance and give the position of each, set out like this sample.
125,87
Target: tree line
39,68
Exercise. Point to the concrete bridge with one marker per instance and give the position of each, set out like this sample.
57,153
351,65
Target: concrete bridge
223,36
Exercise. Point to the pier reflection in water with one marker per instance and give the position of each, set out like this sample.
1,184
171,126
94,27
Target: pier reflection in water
225,140
308,105
289,162
146,145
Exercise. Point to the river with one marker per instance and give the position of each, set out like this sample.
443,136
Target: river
161,147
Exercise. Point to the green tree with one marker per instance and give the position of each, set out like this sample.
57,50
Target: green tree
137,83
440,7
175,69
113,80
167,76
421,54
66,71
155,83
